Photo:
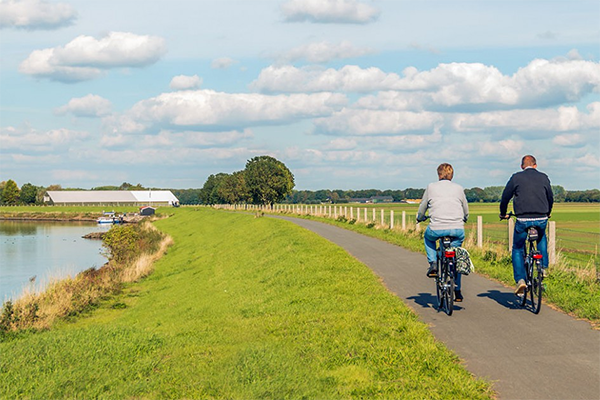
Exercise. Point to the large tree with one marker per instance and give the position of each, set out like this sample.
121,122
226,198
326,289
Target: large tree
210,191
268,180
29,193
10,193
233,188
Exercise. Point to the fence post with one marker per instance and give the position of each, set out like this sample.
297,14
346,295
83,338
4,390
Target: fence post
417,225
365,214
511,232
403,220
374,219
552,243
351,212
479,231
391,219
381,217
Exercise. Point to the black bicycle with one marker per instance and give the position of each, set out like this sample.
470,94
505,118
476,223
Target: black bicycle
446,271
534,275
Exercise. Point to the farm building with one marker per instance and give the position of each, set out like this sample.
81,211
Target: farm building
111,197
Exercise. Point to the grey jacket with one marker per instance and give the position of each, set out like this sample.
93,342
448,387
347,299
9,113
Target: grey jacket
447,205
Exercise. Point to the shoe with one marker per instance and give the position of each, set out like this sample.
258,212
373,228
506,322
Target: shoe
545,272
458,297
521,286
432,271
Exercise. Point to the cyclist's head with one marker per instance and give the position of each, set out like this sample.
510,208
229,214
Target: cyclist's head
528,161
445,172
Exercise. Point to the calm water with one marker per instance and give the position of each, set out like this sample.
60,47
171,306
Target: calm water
46,250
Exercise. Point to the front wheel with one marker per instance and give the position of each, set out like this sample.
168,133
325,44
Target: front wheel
523,298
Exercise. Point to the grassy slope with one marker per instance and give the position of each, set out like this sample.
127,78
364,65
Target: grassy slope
241,308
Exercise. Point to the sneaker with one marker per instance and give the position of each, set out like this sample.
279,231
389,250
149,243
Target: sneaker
458,297
521,286
545,272
432,271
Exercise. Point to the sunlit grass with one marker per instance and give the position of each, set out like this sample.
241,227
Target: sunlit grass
245,308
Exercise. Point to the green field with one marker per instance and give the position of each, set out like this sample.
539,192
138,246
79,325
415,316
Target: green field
245,308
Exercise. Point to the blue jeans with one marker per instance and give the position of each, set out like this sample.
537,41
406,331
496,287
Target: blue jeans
431,236
518,249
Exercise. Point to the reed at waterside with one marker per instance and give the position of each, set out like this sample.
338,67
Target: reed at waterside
131,249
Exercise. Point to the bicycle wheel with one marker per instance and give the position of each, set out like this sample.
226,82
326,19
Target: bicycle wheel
536,289
449,293
439,287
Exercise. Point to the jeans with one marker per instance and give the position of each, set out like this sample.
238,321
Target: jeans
518,249
458,236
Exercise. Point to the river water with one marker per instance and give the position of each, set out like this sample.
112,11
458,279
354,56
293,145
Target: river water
46,251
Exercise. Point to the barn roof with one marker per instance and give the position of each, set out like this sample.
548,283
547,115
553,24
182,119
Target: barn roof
111,196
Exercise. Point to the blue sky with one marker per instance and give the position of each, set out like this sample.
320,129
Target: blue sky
348,94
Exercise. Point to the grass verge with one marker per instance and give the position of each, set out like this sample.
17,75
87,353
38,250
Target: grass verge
244,308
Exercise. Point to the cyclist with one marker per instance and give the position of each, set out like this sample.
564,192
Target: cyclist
533,200
448,212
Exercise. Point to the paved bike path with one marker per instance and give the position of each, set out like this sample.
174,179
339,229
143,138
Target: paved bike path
546,356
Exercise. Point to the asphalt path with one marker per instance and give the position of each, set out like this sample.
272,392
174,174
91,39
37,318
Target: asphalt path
546,356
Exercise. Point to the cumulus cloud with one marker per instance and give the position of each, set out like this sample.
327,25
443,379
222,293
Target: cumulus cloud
31,140
87,106
569,140
86,57
350,78
329,11
35,14
457,86
207,108
378,122
322,52
184,82
222,63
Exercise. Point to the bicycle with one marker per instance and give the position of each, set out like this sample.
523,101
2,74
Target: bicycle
446,271
534,276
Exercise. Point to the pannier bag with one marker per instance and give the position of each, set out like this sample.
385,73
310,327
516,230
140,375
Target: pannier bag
464,265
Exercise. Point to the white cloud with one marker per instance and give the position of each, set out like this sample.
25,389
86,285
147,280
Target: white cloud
378,122
31,140
85,57
222,63
185,82
509,147
569,140
349,78
35,14
329,11
207,108
87,106
322,52
471,86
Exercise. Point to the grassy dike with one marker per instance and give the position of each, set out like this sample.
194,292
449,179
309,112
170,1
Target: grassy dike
241,307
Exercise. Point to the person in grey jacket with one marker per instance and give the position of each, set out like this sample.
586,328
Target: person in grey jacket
448,212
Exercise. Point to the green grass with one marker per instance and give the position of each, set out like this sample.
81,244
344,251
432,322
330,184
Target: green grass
573,285
243,308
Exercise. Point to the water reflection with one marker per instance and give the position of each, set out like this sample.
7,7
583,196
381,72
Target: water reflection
46,250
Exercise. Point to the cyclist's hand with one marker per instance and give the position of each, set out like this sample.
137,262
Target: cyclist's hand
503,216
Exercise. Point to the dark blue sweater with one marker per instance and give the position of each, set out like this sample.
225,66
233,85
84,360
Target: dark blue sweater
532,194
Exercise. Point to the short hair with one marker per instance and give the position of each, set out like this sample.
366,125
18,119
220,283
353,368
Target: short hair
445,172
528,161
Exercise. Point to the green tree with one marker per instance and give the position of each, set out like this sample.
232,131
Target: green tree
29,193
210,191
10,193
268,180
233,189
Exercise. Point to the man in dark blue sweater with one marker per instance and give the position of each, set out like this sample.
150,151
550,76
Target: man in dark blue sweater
532,203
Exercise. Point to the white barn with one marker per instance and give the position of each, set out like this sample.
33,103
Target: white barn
111,197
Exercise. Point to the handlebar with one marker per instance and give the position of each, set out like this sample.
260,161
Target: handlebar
507,216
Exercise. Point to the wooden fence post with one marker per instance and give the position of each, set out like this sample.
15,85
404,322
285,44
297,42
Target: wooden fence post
382,217
479,231
391,219
351,212
552,243
403,220
417,225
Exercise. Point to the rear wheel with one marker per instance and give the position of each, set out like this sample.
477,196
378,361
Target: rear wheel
536,290
439,287
523,298
449,293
